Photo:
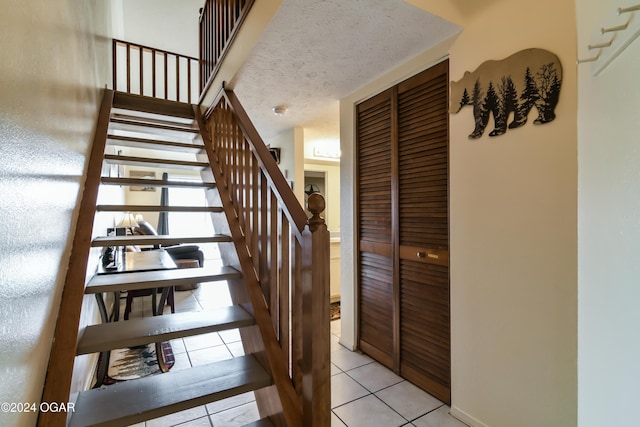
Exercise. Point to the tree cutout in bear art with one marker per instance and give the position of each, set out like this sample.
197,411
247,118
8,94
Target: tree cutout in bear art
514,86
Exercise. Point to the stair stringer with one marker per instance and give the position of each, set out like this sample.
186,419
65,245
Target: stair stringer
57,384
278,402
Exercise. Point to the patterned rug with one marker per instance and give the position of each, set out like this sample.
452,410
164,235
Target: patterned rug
136,362
335,310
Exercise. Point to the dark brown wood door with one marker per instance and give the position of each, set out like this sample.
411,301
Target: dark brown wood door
374,226
423,180
403,213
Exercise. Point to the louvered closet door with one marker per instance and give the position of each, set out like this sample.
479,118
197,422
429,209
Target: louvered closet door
375,269
423,152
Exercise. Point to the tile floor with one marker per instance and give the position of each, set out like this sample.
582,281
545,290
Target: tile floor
363,392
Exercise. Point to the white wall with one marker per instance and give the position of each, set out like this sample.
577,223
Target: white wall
165,24
54,60
609,228
513,229
513,237
291,144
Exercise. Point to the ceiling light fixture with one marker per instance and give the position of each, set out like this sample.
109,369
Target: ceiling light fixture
280,110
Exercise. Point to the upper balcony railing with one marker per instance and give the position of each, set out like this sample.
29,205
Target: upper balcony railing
148,71
220,21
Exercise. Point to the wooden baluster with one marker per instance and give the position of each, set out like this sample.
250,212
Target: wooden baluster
128,46
316,407
241,184
213,36
201,43
285,262
141,70
255,217
114,66
153,72
273,260
177,78
217,27
264,235
189,80
248,162
296,319
166,77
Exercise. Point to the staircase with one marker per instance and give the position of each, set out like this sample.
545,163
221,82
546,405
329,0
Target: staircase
274,364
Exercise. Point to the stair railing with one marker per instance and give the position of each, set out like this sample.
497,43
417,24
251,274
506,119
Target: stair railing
287,253
158,73
220,21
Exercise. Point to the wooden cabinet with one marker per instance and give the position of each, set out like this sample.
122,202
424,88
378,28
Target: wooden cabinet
403,229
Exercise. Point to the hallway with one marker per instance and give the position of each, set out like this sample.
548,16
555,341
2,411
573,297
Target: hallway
363,392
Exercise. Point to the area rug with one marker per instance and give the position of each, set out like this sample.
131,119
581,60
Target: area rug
335,310
136,362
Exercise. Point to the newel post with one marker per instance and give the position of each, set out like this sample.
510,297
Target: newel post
316,368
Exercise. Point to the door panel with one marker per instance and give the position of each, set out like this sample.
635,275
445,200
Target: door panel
374,228
423,146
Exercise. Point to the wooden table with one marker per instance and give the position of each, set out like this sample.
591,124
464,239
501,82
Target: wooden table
135,262
157,259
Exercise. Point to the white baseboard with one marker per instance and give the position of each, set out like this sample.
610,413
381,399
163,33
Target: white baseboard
466,418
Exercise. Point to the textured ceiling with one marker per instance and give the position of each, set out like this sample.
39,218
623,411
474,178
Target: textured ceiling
315,52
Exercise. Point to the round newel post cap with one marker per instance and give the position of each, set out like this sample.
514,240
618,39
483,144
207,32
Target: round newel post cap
316,203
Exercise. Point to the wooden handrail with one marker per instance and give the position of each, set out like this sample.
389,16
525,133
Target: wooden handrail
220,21
170,81
286,258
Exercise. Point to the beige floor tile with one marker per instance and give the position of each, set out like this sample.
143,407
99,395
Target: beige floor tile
439,418
336,327
236,417
335,421
229,336
209,355
335,370
236,348
200,422
178,417
178,346
374,377
408,400
232,402
335,342
188,306
344,389
369,412
346,360
210,304
198,342
182,361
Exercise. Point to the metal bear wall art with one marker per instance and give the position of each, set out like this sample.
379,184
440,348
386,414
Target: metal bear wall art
514,85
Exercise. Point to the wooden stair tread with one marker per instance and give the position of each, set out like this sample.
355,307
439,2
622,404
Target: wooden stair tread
150,208
153,144
155,183
156,240
146,330
138,400
162,278
150,162
147,104
146,126
133,115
